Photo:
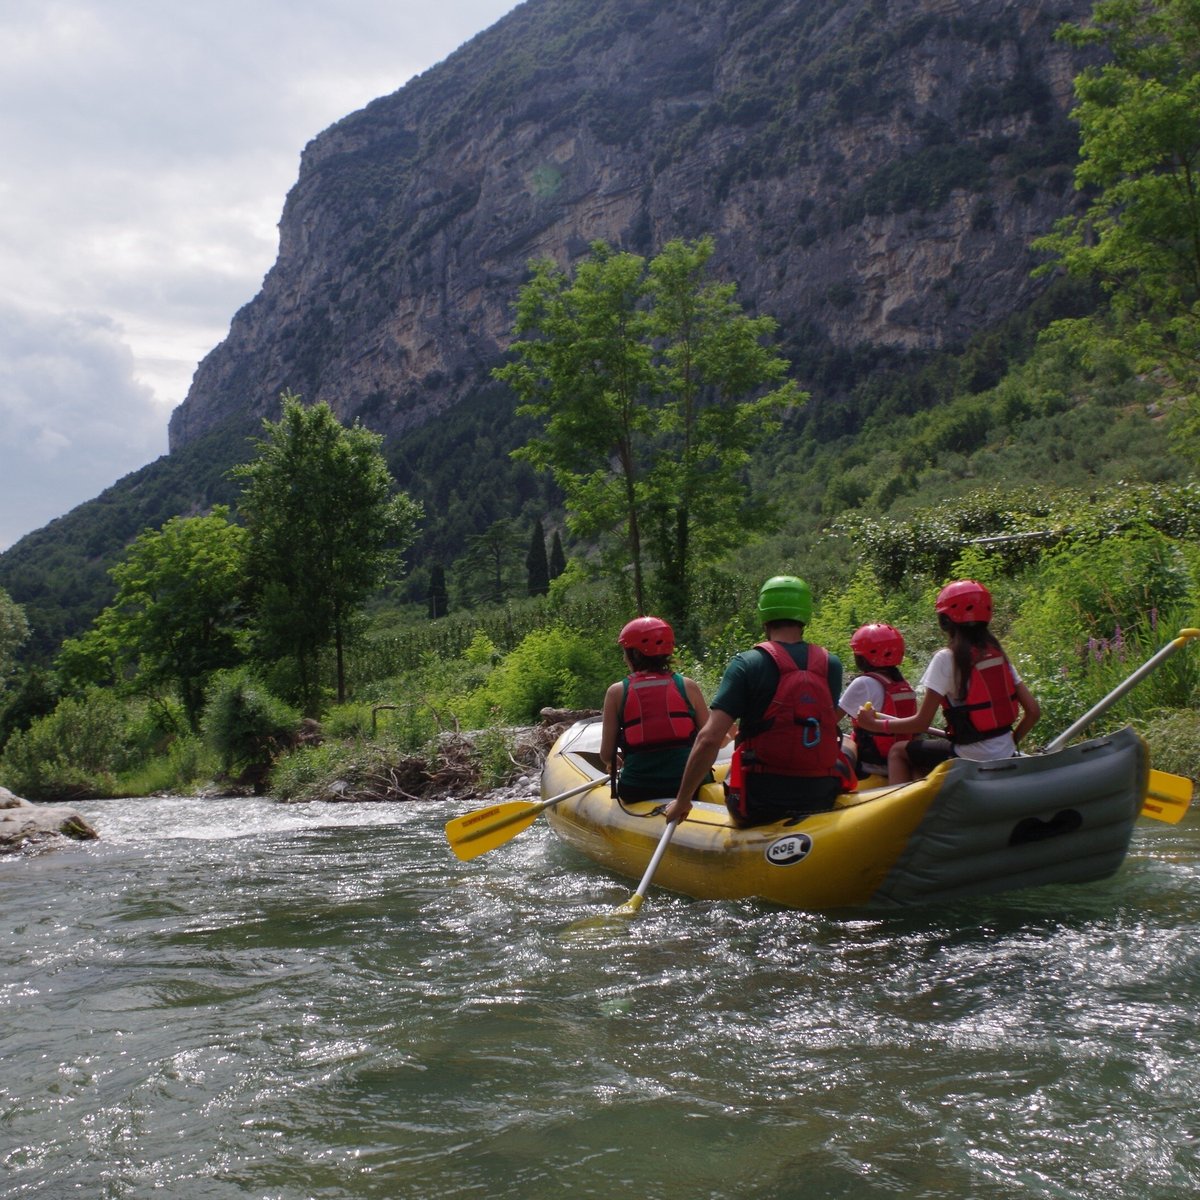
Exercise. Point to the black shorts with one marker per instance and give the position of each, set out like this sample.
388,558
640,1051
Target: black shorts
924,753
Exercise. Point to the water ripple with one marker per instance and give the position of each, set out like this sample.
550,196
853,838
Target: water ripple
237,999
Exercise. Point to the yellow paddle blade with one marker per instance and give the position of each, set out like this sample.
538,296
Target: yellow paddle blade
477,832
1168,797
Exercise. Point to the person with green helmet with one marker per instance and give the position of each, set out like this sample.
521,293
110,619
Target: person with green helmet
788,759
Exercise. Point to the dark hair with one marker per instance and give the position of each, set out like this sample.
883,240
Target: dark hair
645,662
783,623
893,673
966,637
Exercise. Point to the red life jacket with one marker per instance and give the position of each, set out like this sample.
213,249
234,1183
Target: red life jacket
655,712
990,706
798,733
899,700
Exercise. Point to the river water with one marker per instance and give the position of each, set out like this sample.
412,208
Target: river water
227,999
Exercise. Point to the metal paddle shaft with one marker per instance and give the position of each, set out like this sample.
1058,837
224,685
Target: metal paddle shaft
1126,685
630,907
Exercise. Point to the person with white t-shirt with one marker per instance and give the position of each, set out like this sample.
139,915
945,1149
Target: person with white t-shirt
988,708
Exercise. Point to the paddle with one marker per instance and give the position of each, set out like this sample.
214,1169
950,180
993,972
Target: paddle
631,906
484,829
1168,797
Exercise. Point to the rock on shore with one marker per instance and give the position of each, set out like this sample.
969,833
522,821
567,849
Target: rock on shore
24,825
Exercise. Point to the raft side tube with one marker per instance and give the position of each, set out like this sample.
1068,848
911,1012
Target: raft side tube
1001,825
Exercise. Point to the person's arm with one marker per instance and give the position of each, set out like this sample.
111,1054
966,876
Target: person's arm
1031,710
868,718
704,753
612,722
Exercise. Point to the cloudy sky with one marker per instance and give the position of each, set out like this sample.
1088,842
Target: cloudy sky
146,147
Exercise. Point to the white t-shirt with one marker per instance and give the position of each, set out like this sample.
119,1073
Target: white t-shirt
861,690
939,677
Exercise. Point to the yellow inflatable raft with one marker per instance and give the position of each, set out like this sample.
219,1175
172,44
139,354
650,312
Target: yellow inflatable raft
967,830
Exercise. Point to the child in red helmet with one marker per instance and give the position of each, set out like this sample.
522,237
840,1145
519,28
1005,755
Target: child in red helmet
988,708
878,651
651,716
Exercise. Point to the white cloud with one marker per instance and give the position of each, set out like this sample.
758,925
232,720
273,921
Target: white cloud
146,147
72,417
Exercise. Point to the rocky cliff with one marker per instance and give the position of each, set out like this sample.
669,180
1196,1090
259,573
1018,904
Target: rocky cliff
873,172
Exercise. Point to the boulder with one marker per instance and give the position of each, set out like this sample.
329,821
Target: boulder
23,824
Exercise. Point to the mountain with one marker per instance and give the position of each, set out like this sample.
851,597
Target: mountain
872,171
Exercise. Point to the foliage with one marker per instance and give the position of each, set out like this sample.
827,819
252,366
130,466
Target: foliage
639,373
1018,527
1093,593
439,597
554,667
177,615
14,632
72,753
537,565
187,763
487,571
1139,172
244,723
306,773
35,695
324,533
352,721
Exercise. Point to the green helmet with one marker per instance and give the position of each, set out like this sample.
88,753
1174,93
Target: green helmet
784,598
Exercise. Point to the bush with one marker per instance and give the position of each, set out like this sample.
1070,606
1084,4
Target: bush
244,723
187,762
74,752
554,667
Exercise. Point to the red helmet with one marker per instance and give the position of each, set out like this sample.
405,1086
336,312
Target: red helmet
651,635
964,601
880,645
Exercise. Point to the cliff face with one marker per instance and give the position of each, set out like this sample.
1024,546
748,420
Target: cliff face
872,170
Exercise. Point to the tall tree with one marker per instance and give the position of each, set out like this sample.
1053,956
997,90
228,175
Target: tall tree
488,570
1139,172
558,558
654,388
587,375
177,617
439,598
325,532
537,568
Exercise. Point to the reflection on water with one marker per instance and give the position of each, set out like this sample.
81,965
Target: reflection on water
239,999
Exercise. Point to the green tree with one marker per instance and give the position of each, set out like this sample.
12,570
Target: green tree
641,374
558,557
439,598
486,571
178,614
1139,169
14,632
325,532
537,567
